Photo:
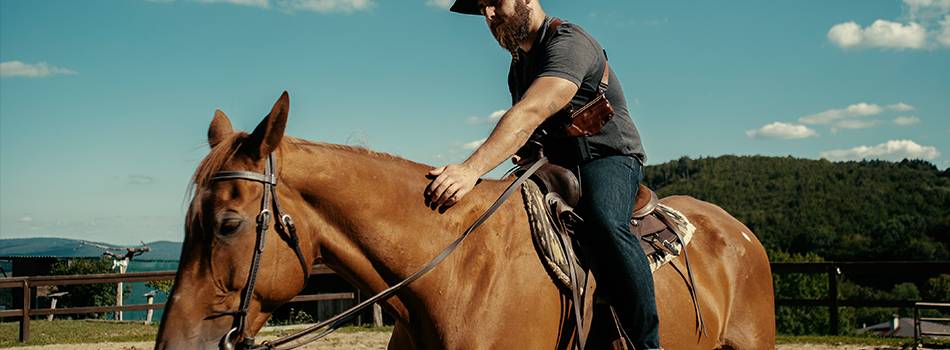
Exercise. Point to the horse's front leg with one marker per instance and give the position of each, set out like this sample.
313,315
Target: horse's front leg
400,339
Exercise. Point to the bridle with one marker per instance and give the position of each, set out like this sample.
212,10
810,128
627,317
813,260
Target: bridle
285,224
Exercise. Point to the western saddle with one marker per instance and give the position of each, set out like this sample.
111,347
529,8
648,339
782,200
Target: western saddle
552,193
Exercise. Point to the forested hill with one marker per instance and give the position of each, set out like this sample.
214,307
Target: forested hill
843,211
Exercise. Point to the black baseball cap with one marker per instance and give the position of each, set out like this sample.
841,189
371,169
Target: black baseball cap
466,7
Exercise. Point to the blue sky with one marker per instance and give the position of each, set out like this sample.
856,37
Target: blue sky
104,105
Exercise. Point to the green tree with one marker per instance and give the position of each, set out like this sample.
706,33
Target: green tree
795,320
85,294
938,288
163,286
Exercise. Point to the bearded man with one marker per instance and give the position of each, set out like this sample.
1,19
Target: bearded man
554,65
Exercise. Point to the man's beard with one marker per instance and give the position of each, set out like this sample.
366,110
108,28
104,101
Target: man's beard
511,31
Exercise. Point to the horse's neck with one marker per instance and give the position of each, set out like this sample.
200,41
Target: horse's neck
369,215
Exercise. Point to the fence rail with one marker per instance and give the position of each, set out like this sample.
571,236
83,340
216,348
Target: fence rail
27,283
918,327
832,269
904,269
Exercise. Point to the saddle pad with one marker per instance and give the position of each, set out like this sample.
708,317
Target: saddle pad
556,260
543,234
664,253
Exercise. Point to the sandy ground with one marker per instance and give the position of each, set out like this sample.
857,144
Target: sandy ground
355,341
377,340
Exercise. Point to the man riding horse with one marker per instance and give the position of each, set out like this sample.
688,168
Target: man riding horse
558,76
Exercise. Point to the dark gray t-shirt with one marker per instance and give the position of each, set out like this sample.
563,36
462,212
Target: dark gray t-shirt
574,55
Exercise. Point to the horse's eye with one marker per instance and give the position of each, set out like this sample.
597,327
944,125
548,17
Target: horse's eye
230,226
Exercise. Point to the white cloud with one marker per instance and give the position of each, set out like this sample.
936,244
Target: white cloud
906,120
11,69
325,6
291,6
136,179
853,124
900,107
924,24
442,4
25,219
880,34
926,9
846,35
491,118
944,36
496,115
856,110
779,130
252,3
886,34
890,150
474,144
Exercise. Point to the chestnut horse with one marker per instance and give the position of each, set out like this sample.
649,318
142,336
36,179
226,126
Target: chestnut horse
364,215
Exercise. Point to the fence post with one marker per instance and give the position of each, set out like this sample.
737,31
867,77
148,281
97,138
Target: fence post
377,315
916,326
25,321
52,306
149,298
52,303
833,297
122,264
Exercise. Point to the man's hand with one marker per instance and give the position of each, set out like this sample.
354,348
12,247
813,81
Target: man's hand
451,183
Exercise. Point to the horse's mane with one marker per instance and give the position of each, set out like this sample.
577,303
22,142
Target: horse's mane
351,149
226,148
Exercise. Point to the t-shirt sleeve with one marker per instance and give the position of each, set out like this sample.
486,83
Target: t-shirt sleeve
570,55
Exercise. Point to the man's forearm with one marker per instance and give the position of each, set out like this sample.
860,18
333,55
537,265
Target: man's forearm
511,132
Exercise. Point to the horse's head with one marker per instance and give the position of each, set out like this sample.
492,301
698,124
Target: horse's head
221,230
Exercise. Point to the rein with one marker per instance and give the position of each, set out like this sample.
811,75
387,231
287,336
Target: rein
285,224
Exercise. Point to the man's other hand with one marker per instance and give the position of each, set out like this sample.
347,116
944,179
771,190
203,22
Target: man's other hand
450,184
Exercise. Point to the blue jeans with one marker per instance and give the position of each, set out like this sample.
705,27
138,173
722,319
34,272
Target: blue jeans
609,187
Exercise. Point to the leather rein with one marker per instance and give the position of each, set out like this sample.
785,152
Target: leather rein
285,224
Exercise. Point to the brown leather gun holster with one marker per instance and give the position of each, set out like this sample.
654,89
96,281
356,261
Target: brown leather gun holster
591,118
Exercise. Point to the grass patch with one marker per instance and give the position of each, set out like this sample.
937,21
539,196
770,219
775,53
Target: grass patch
357,329
857,339
99,331
76,331
347,329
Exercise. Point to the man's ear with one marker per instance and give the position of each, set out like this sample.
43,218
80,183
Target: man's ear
268,134
219,129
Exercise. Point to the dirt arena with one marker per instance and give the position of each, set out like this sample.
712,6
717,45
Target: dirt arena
378,340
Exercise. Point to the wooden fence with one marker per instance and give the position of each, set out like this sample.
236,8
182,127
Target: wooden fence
904,271
27,283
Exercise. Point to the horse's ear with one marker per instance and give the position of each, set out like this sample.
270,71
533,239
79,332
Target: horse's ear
220,128
267,135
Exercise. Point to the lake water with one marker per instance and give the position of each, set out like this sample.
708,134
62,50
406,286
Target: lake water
136,296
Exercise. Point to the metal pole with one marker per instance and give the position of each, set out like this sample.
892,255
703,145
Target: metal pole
916,326
833,297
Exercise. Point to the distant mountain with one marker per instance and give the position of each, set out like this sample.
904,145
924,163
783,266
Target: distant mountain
63,247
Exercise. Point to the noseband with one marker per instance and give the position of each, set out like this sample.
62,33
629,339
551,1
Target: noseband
284,224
